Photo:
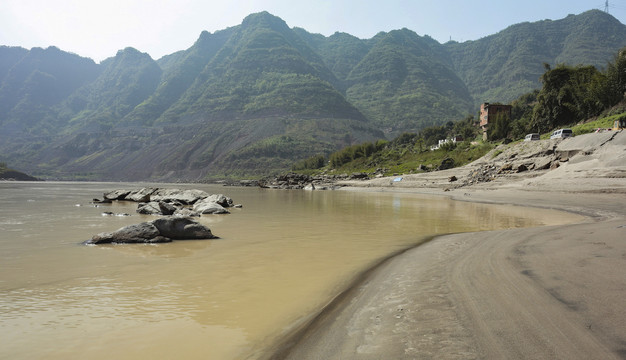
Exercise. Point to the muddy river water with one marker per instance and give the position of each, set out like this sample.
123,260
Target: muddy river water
278,261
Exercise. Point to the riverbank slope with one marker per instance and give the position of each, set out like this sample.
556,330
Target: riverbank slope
552,292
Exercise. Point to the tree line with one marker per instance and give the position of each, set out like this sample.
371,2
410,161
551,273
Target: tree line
569,94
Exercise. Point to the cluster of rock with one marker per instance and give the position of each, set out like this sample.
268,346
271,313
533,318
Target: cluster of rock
518,160
294,181
177,202
243,183
176,205
161,230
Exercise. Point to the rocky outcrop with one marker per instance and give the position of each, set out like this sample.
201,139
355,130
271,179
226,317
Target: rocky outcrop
161,230
116,195
186,197
293,181
156,201
156,208
142,195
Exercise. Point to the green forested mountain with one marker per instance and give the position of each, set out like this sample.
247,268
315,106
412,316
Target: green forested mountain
180,70
34,82
405,82
126,81
251,99
505,65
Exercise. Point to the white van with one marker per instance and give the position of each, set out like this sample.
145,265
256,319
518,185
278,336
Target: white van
562,134
531,137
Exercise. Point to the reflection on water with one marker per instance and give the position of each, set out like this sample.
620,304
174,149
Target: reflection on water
279,260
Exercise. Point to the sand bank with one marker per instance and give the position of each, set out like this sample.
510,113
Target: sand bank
554,292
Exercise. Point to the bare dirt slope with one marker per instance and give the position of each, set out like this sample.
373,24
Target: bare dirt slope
591,162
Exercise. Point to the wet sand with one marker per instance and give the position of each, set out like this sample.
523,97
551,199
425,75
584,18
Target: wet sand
554,292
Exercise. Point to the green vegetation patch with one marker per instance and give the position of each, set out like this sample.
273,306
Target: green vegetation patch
602,123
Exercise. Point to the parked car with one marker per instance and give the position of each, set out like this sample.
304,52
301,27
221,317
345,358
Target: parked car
531,137
562,134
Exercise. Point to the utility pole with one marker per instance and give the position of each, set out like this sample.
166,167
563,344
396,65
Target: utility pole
606,6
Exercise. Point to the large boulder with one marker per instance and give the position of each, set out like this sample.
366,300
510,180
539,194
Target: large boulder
220,199
186,212
158,231
138,233
447,163
116,194
167,208
149,208
156,208
187,197
141,195
207,206
180,228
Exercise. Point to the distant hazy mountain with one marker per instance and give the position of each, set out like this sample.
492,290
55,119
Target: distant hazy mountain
253,98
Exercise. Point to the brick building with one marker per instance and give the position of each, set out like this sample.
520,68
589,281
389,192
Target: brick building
488,113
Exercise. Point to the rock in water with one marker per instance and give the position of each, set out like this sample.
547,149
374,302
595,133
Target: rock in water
116,194
142,195
220,199
157,231
183,196
167,208
184,212
180,228
209,207
156,208
138,233
151,208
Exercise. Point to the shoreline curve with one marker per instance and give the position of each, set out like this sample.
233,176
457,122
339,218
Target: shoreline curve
359,323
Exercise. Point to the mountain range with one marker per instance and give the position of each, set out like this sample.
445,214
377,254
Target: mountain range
251,99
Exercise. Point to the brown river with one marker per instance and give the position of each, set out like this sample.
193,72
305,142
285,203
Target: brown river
278,261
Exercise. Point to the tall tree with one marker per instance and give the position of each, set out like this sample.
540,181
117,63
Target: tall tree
567,96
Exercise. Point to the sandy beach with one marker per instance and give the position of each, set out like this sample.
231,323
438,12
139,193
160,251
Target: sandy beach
552,292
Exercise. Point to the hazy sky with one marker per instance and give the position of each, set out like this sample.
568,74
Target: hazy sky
99,28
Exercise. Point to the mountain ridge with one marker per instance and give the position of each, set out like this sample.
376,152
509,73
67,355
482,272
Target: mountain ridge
250,99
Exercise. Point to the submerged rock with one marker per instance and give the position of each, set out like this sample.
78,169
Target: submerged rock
98,201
